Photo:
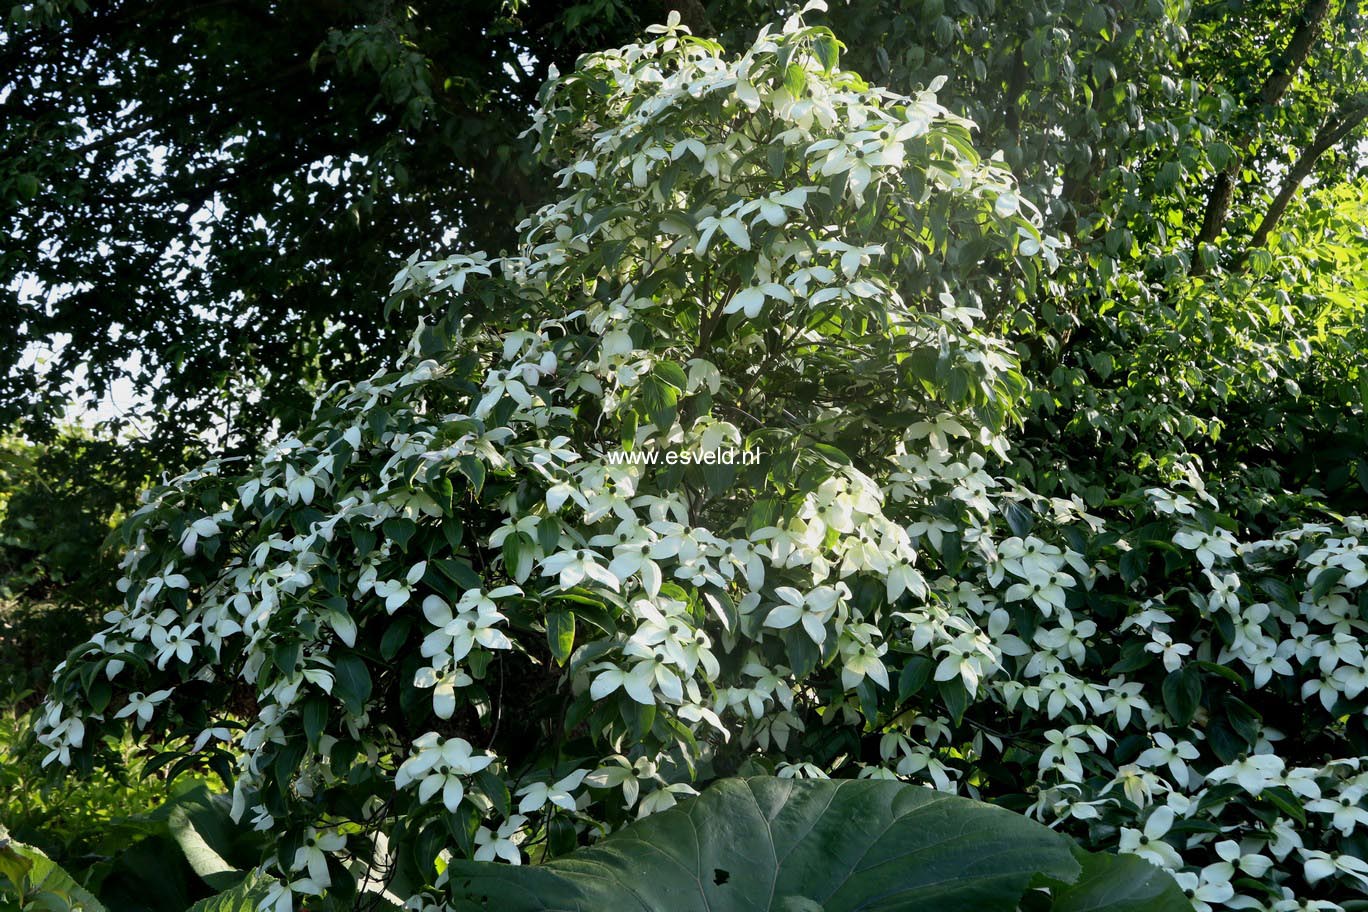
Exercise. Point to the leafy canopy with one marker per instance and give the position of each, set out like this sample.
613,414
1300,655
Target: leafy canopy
450,610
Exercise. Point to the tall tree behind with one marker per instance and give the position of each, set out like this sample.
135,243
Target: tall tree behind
221,187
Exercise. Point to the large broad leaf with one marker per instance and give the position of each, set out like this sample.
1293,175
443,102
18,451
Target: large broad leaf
173,853
793,846
39,879
1120,883
245,897
199,823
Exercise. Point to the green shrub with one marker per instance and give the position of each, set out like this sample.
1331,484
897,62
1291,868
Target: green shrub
449,608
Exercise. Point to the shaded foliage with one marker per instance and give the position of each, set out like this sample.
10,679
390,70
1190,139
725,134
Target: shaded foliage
217,190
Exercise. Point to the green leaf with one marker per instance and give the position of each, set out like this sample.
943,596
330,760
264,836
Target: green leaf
1133,564
914,676
1285,801
828,50
1224,671
958,384
1018,518
315,719
832,454
351,682
13,866
245,897
45,876
474,471
394,638
1279,591
399,530
200,825
1120,883
1244,719
659,399
672,374
100,693
627,431
459,572
783,844
1183,694
1325,581
560,635
955,698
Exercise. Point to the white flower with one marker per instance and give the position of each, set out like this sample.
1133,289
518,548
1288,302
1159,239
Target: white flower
664,798
471,624
813,610
1211,885
503,843
641,682
142,705
204,527
573,567
174,642
1253,773
313,854
280,896
731,226
558,793
1172,753
439,766
1062,754
1346,810
1207,546
444,685
1169,502
1149,843
1251,863
1172,652
396,593
751,299
1125,697
860,659
1318,865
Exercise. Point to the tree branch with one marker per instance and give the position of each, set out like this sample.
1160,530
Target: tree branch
1327,137
1270,94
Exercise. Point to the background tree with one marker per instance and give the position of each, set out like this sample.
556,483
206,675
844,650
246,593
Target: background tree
218,188
214,191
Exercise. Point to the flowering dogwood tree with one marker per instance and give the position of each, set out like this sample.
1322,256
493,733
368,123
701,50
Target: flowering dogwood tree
468,611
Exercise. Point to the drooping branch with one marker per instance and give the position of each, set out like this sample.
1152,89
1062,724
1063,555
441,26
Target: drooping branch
1327,137
1270,94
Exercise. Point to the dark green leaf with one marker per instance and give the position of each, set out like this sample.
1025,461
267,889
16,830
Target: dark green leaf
560,635
1120,883
844,845
1183,694
352,682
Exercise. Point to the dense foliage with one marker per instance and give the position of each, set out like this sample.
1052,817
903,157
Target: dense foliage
59,502
207,197
463,610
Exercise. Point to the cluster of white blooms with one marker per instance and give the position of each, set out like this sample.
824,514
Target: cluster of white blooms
757,249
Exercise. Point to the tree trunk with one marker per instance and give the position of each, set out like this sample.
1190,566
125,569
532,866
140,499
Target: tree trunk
1327,137
1309,23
